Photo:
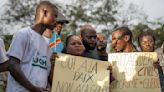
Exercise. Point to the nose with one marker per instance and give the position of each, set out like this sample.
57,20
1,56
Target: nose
93,39
76,45
100,40
147,44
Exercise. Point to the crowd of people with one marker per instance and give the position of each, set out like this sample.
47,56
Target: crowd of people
28,59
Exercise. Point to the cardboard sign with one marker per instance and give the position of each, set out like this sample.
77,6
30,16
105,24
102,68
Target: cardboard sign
79,74
134,72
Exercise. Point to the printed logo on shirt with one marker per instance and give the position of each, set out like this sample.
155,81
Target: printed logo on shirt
40,61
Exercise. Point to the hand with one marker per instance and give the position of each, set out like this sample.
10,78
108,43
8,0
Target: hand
156,64
37,89
54,56
48,87
109,68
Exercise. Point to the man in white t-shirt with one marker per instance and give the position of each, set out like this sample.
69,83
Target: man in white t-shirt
29,54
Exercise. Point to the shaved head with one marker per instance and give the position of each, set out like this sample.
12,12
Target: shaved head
45,6
89,37
86,28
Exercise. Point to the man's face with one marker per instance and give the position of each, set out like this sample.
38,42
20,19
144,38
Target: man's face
118,43
147,44
89,39
50,18
101,42
58,28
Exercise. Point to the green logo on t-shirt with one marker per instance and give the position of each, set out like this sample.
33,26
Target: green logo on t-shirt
40,62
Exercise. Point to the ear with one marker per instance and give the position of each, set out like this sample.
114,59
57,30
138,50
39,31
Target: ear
45,13
126,38
42,14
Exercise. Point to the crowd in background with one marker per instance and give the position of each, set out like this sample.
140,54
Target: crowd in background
29,47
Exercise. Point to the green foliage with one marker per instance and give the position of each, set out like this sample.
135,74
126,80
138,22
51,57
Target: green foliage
20,11
97,12
90,11
7,41
157,32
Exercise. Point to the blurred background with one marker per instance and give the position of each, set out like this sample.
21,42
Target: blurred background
104,15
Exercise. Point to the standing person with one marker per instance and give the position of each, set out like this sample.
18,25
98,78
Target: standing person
60,22
122,40
89,38
146,41
29,54
3,58
101,46
74,45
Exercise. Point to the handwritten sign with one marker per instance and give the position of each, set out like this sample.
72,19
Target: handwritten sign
134,72
79,74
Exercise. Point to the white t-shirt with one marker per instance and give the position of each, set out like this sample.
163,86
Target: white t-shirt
47,39
3,56
32,50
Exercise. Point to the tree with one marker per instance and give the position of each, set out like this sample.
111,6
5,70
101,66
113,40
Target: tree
157,32
98,13
19,12
7,41
104,15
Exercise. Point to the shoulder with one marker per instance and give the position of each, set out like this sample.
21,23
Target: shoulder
22,33
23,30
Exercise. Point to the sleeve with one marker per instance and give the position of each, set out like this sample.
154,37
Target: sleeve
18,45
3,56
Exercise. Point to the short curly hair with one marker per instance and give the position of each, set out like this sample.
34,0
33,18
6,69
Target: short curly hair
147,33
125,31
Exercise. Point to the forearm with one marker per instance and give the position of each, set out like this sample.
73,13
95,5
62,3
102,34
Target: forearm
4,66
18,75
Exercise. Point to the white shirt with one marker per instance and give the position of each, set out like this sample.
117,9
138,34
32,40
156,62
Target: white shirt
47,39
3,56
32,50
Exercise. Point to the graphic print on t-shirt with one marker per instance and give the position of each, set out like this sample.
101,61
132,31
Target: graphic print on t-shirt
40,61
